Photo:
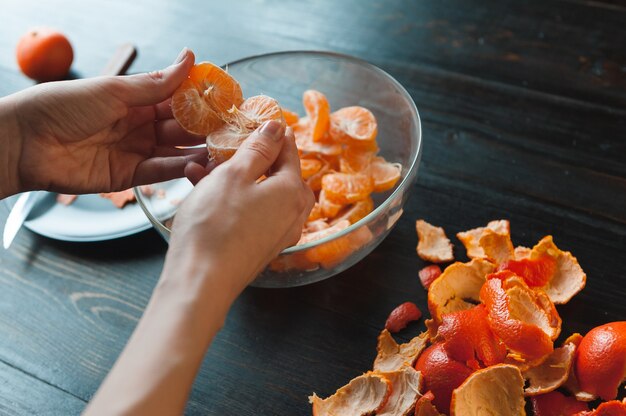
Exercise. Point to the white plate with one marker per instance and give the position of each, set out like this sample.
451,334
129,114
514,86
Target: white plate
92,218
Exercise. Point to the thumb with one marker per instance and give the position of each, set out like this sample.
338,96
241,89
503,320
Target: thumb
153,87
259,151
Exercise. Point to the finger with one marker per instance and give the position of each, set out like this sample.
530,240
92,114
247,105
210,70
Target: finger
166,151
160,169
259,151
288,161
169,133
154,87
195,172
163,110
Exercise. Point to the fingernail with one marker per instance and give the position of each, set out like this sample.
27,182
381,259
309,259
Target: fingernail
272,129
181,56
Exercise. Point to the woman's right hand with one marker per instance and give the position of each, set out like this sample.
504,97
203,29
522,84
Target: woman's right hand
234,224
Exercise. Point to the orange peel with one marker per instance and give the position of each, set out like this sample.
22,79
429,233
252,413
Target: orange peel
471,238
569,278
425,406
495,390
467,338
392,356
433,245
458,287
201,103
552,373
405,385
363,395
525,319
496,246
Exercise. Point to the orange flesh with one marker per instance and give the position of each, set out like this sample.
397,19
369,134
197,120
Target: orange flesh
201,103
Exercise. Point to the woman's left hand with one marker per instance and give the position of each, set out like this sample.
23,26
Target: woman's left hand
101,134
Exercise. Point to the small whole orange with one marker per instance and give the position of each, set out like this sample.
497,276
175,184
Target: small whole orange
44,54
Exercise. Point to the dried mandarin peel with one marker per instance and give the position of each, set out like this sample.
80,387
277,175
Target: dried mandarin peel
524,319
568,279
405,385
363,395
495,390
496,246
551,373
471,238
571,384
433,245
392,356
458,287
425,406
201,103
600,365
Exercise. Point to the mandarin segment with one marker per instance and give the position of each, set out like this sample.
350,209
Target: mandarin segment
318,111
385,174
347,188
354,125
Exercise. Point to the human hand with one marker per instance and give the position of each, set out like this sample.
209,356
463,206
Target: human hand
232,222
101,134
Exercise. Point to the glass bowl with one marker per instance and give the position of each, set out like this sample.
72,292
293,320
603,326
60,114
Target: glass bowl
345,81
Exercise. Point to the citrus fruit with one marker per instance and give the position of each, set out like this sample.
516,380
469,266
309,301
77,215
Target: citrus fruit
354,125
318,111
251,114
201,103
441,374
347,188
600,365
44,54
385,174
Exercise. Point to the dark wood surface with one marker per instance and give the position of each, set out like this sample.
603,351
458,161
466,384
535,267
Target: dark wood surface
523,107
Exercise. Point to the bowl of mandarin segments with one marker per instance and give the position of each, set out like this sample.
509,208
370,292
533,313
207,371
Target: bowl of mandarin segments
358,135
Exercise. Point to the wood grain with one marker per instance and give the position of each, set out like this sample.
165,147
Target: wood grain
523,106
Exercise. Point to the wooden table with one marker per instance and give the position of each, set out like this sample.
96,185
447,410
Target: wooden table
523,107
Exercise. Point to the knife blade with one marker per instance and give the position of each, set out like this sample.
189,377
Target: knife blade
118,64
